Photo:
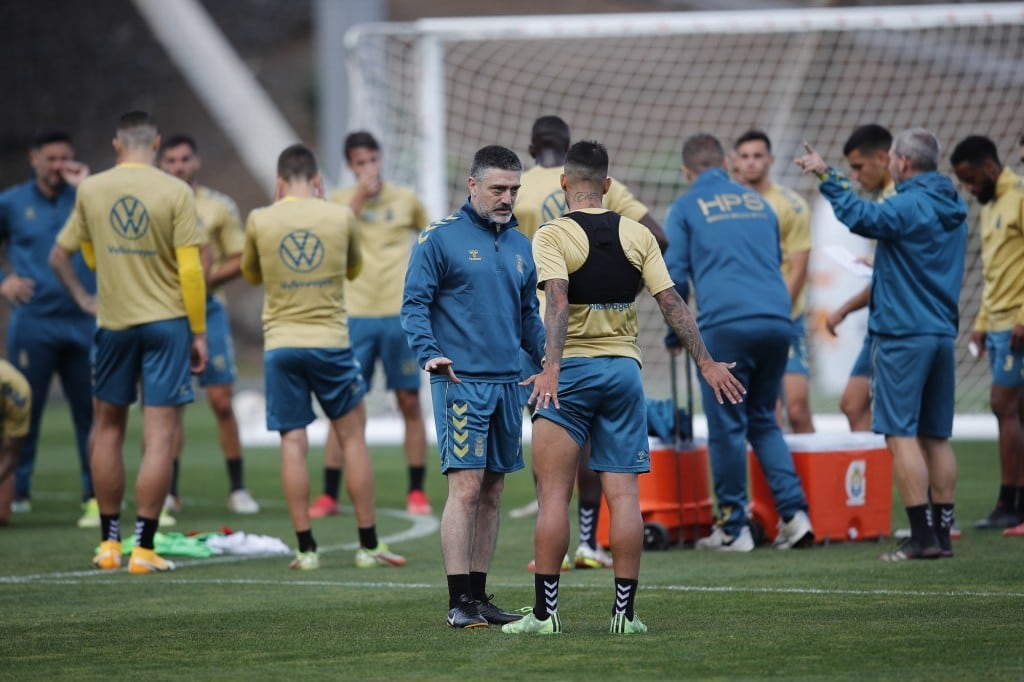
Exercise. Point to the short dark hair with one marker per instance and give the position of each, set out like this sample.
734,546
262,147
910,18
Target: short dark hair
494,156
360,139
297,162
45,136
136,129
974,150
136,118
588,161
550,132
177,139
754,135
868,139
701,152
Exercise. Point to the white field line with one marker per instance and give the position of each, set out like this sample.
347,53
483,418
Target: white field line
82,577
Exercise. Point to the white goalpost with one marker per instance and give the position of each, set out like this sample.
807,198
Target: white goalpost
436,90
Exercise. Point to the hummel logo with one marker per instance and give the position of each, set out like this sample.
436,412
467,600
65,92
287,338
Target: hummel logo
551,595
621,598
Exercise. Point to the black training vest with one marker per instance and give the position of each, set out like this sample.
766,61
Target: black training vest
607,276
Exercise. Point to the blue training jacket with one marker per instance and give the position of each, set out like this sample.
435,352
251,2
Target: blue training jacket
29,223
471,296
725,237
919,259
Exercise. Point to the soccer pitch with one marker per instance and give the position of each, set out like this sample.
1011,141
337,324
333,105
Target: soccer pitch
829,612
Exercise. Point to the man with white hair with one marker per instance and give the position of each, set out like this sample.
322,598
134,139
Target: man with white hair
915,289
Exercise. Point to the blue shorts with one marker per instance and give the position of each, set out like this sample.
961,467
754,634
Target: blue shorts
479,425
1007,365
156,353
384,338
913,385
291,374
862,365
603,399
220,369
799,359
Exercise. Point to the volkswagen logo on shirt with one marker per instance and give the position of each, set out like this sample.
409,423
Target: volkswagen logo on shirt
301,251
129,218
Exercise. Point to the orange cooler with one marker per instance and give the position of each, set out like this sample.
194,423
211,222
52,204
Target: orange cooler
847,479
675,496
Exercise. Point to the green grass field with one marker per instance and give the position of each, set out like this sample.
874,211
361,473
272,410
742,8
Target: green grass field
827,613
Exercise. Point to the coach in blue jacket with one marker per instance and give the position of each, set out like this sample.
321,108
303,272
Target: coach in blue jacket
915,288
48,333
469,305
725,238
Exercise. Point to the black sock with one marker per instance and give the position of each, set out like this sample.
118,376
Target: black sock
942,517
921,528
478,585
235,473
1007,497
588,523
625,595
368,537
110,527
1020,501
145,532
545,590
174,478
416,477
458,588
332,482
306,541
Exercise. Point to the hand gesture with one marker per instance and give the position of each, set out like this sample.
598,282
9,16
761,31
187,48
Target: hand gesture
811,162
1016,337
722,382
442,365
370,184
74,172
545,388
17,290
833,320
198,353
976,344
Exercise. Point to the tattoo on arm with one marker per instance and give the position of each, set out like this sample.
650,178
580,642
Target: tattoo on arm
679,318
556,319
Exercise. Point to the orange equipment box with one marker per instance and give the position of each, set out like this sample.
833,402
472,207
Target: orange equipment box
675,496
847,479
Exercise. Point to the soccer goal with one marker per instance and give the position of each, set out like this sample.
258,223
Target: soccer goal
438,89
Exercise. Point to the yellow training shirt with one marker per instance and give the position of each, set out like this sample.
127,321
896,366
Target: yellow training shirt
15,401
541,199
303,249
221,224
1002,256
794,216
388,225
134,216
561,247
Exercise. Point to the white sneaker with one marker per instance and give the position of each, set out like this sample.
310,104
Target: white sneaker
591,558
525,511
723,542
796,533
242,502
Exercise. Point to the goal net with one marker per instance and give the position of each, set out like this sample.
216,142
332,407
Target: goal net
437,90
